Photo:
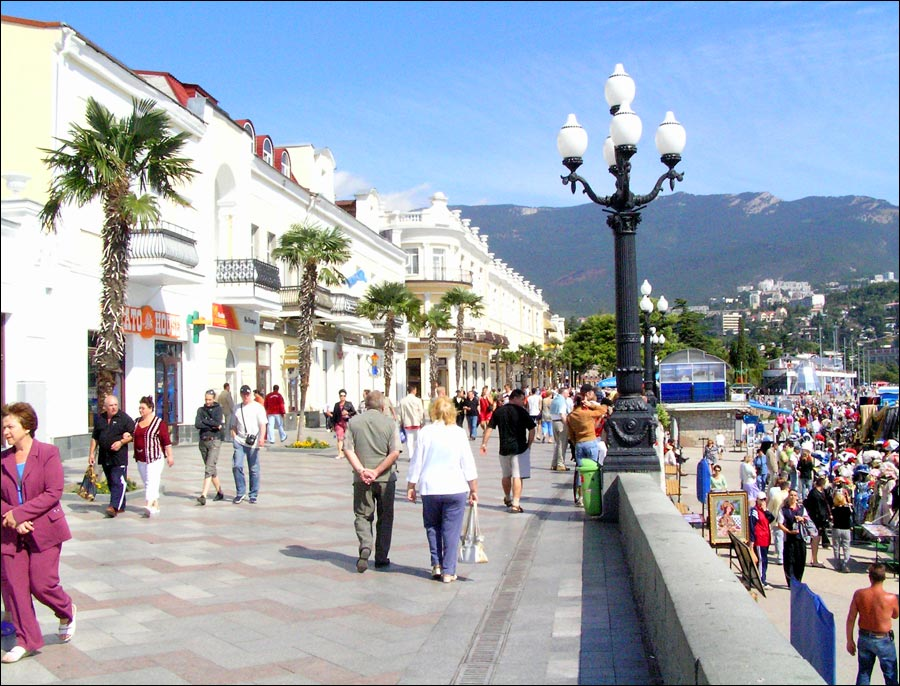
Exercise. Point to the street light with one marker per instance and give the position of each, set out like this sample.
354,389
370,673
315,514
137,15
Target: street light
631,425
651,338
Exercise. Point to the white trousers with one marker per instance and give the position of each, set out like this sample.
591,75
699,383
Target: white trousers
151,473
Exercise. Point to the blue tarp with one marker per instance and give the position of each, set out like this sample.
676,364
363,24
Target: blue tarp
702,481
812,631
608,383
768,408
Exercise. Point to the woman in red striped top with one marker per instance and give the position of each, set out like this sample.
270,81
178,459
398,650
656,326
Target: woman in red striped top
151,444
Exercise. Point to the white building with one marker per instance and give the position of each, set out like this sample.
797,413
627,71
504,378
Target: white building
213,259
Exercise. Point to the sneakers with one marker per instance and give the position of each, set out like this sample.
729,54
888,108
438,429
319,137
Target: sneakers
238,499
436,572
362,564
448,578
67,628
253,500
579,503
15,655
219,496
201,500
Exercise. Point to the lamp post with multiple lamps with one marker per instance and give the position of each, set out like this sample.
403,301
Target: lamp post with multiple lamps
651,338
631,425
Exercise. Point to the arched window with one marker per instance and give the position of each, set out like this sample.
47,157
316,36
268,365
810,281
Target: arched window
286,164
248,127
267,152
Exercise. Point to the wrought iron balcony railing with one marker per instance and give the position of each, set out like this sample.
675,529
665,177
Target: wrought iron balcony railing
248,271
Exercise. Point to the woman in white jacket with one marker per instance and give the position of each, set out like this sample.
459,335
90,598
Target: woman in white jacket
442,470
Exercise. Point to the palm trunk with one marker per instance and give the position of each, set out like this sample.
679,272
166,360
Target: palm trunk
304,340
388,353
460,317
432,362
110,354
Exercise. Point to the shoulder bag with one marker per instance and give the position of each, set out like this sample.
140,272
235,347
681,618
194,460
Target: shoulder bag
471,542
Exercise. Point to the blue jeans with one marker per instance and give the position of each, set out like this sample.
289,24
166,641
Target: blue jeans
586,450
473,425
762,554
443,518
242,451
867,649
276,421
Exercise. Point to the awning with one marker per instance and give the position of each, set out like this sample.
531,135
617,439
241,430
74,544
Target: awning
769,408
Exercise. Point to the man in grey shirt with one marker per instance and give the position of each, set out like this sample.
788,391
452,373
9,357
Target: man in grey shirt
372,445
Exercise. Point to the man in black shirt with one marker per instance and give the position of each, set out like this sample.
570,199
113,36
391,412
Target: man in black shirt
113,431
459,402
516,429
818,508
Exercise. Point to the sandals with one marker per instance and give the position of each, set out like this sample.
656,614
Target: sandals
15,655
67,628
507,501
515,509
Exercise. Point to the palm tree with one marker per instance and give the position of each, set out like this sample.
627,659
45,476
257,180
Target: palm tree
388,301
509,358
107,160
529,353
314,251
434,321
462,299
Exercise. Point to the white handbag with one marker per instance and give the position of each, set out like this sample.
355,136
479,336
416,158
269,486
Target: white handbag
471,541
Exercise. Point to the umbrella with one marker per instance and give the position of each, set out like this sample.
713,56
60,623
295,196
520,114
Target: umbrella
674,431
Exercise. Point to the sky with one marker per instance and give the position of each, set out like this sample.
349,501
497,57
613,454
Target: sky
796,99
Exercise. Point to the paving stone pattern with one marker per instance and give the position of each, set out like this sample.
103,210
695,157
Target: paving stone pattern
269,592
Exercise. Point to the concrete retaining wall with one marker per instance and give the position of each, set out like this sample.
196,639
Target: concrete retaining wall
704,626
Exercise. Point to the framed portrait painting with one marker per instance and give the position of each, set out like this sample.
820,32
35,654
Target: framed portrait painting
728,514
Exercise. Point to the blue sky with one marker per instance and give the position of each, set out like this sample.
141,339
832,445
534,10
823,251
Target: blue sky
792,98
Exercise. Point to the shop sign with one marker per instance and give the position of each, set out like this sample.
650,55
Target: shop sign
150,323
234,318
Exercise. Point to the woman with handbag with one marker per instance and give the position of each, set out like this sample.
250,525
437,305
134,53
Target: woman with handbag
340,415
33,530
442,470
792,519
151,444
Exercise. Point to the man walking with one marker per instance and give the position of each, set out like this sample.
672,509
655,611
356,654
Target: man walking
412,416
372,445
113,431
226,402
876,608
248,432
516,429
558,411
274,404
210,422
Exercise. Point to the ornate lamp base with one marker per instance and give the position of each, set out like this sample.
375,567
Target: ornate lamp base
631,433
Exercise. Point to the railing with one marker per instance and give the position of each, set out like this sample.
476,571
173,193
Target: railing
290,297
250,271
166,241
454,275
343,304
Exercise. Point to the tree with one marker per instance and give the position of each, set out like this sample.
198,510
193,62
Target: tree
463,300
433,322
510,358
107,160
388,301
593,344
529,355
314,251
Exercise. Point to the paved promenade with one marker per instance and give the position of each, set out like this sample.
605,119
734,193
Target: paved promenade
269,593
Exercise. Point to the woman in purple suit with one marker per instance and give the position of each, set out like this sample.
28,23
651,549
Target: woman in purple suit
32,532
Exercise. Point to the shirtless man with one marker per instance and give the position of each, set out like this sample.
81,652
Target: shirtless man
876,608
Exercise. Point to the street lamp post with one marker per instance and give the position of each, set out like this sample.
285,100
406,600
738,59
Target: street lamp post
631,425
651,338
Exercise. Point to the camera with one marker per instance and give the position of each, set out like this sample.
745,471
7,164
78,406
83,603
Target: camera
251,439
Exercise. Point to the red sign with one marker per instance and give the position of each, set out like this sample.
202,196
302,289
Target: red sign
149,322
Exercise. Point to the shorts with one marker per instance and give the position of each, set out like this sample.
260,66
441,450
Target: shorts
516,466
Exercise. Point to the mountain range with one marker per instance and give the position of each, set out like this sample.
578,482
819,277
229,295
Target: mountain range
694,247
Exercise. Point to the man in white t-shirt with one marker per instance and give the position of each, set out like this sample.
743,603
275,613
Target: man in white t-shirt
248,432
534,409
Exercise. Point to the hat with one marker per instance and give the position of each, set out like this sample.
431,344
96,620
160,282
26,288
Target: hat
761,495
245,389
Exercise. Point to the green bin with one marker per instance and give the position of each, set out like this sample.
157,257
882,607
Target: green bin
591,487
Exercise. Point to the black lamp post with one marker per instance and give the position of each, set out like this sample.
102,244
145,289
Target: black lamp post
631,425
650,339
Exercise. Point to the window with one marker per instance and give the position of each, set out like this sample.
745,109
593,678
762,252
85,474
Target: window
248,127
254,236
263,368
286,164
438,263
268,154
270,246
465,374
412,260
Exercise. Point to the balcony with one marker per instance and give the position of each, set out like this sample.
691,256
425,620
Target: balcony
162,255
248,283
290,300
462,276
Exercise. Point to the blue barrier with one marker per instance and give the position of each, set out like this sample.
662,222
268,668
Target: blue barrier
812,631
